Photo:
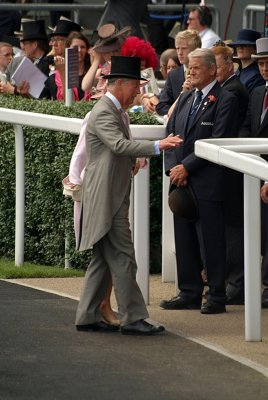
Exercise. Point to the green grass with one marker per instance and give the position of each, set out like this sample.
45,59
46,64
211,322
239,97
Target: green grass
8,270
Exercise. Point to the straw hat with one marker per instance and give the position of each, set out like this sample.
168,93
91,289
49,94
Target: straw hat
110,38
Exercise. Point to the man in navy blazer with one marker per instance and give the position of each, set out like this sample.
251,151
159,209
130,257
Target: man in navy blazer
234,210
202,242
185,42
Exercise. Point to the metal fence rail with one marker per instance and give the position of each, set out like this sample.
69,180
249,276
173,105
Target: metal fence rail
250,13
77,8
243,155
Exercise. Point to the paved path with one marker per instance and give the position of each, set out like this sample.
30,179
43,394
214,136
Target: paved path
42,357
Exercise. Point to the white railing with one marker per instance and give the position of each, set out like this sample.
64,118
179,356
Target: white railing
239,154
243,155
250,13
141,182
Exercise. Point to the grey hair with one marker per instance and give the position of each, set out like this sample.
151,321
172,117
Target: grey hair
112,81
206,55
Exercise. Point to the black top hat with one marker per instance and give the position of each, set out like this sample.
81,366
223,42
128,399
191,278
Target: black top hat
183,203
246,37
33,30
64,27
125,67
12,40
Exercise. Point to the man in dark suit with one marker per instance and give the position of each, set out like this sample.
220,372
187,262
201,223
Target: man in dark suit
234,215
185,42
34,43
206,112
256,125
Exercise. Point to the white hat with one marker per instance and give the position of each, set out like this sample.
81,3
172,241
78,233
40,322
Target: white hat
262,48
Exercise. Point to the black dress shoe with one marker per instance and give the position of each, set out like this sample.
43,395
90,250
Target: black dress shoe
264,298
141,327
181,303
210,307
234,295
235,301
98,326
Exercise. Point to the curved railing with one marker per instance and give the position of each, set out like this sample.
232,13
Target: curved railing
243,155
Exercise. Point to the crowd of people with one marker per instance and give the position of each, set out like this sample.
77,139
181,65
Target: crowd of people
213,89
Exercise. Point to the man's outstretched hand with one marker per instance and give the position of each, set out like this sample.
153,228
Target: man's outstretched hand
170,142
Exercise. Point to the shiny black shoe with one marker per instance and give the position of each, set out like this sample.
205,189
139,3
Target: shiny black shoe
210,307
234,295
181,303
235,301
264,299
98,326
141,328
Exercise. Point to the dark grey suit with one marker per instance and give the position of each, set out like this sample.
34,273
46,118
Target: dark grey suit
254,127
234,210
202,242
171,91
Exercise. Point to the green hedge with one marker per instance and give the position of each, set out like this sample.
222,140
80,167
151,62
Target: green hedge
48,214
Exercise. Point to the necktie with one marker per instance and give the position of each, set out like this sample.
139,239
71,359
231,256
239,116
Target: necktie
125,119
195,106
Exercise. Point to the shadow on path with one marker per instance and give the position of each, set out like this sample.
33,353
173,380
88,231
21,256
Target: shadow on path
42,357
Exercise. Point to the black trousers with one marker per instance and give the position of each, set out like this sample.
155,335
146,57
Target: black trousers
202,244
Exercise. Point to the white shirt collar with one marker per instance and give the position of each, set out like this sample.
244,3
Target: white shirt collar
114,100
223,83
207,88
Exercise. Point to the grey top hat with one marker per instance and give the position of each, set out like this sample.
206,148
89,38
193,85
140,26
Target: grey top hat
262,49
246,37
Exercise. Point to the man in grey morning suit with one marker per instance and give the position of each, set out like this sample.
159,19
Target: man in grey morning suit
111,157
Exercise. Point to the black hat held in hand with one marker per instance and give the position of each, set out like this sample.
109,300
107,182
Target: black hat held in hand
183,203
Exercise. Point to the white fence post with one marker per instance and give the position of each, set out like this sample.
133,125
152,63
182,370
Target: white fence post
142,229
20,196
252,231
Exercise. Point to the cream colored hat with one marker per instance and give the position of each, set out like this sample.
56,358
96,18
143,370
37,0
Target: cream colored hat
262,49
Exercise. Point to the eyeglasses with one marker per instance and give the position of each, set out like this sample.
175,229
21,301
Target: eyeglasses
58,39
